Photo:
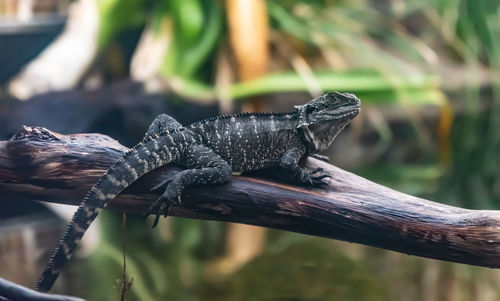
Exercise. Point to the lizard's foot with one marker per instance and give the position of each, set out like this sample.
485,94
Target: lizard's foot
162,205
315,178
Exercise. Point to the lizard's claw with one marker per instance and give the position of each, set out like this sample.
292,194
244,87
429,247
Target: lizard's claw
161,206
319,181
315,178
319,169
154,209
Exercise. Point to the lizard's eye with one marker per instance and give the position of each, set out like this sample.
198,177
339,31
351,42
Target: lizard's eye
309,109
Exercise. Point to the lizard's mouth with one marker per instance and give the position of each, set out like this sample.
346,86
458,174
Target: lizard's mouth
346,112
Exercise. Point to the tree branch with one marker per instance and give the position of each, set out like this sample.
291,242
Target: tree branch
37,164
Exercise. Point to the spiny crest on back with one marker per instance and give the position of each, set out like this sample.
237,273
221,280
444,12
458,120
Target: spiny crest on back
241,115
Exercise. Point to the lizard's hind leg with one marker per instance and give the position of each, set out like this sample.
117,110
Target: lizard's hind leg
162,123
205,167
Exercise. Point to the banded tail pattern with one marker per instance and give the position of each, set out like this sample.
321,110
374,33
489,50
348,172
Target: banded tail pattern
146,156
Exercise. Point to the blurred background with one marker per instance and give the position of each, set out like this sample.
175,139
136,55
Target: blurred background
427,73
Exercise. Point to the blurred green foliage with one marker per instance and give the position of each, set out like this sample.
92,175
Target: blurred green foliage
116,16
311,270
197,25
473,179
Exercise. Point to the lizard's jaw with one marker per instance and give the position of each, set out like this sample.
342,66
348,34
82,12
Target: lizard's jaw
321,135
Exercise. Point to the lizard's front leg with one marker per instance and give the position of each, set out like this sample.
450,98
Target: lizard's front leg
206,167
290,161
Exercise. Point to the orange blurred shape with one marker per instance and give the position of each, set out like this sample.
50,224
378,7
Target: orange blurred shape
444,129
249,35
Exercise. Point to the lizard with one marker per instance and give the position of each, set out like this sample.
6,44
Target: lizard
211,150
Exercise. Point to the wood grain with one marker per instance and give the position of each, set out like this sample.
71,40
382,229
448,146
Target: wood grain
37,164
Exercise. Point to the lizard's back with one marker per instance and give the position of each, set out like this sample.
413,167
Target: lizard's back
249,141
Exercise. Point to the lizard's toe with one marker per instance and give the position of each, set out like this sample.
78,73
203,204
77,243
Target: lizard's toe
162,205
162,184
167,205
319,169
319,181
150,211
156,208
321,177
316,179
157,219
165,208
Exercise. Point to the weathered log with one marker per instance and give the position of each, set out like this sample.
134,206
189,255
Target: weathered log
37,164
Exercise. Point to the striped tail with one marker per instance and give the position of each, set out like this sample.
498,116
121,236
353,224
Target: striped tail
146,156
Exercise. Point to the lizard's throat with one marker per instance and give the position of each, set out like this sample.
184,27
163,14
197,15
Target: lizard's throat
313,142
320,136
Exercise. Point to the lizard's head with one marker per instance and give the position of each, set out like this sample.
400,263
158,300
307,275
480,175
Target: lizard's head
324,117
